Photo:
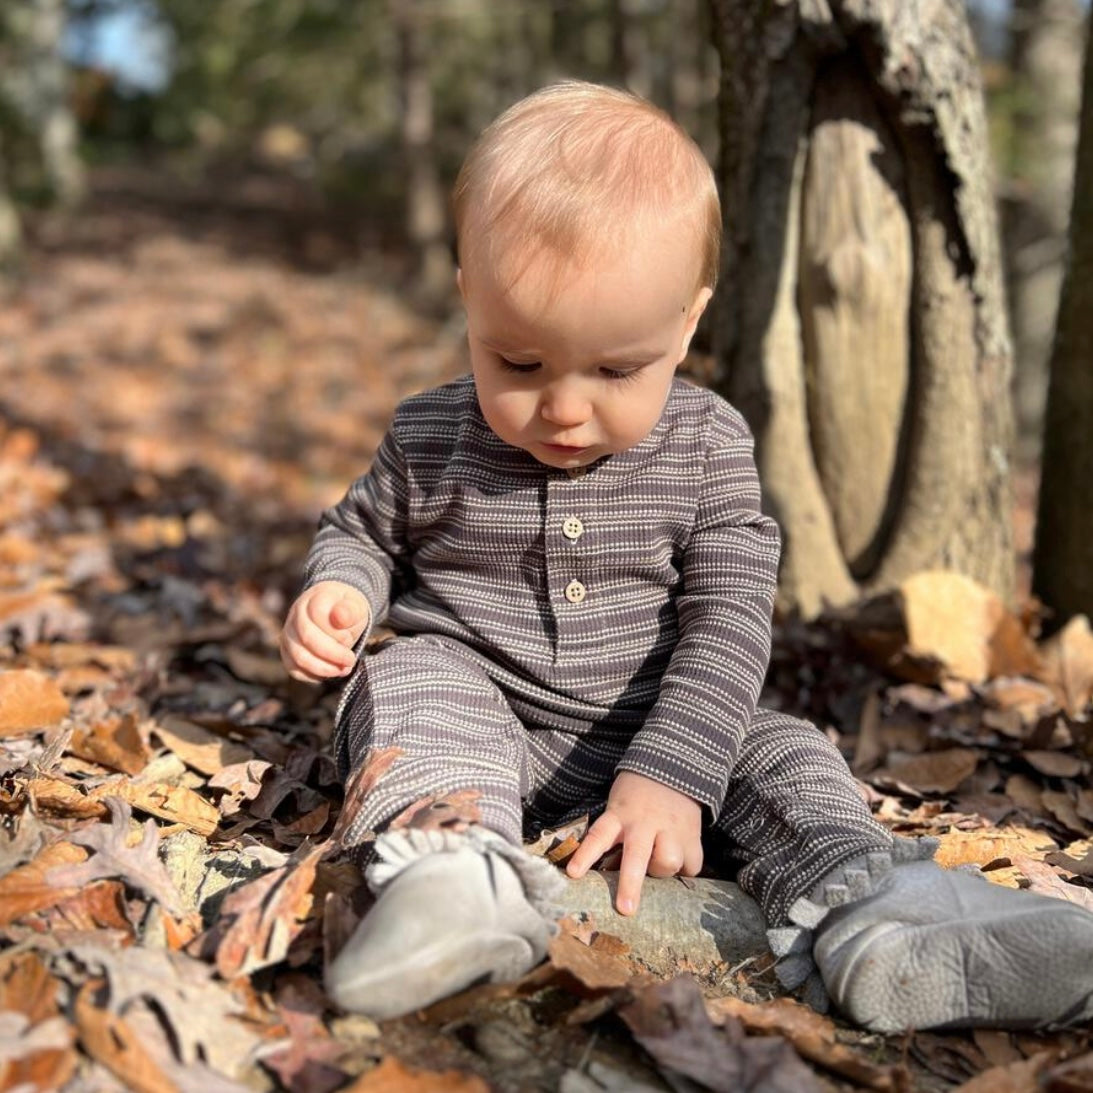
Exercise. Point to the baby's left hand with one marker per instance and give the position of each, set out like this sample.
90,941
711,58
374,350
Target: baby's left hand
660,830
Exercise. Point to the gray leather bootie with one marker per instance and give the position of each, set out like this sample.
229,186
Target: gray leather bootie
453,909
906,944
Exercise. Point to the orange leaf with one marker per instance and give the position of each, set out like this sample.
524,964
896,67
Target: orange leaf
109,1040
24,890
265,916
29,701
391,1076
595,969
116,744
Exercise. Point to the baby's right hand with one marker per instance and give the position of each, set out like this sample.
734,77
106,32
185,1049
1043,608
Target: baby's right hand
321,629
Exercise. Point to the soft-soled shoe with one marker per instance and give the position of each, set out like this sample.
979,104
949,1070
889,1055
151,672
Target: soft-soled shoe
453,909
912,945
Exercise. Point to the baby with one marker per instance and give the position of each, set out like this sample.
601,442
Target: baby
569,547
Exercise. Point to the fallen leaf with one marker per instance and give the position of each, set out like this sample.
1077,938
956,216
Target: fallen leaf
259,920
456,810
593,969
814,1036
29,701
1068,665
199,748
108,1039
990,844
202,1014
1062,808
1025,794
933,771
997,1047
392,1076
1022,1077
37,1053
670,1021
376,764
964,628
25,889
1055,764
174,803
1043,879
139,866
115,743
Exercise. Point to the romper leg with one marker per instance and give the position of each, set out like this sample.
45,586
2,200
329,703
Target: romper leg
793,812
452,723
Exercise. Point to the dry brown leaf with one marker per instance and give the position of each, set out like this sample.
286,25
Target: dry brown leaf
376,764
109,1040
1028,698
1055,764
27,988
391,1076
199,748
174,803
1043,879
997,1047
670,1021
814,1037
24,890
1021,1077
260,920
139,865
964,628
1076,858
1062,808
115,743
933,771
1025,794
1068,665
29,701
593,969
256,668
100,906
990,844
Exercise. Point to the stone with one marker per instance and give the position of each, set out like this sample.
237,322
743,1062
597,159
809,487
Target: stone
697,924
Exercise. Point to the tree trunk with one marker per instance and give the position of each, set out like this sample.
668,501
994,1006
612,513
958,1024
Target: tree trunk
1063,561
425,202
49,104
1047,67
860,323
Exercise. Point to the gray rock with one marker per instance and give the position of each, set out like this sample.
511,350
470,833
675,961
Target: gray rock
698,923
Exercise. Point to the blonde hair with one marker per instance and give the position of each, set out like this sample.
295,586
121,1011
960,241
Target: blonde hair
575,167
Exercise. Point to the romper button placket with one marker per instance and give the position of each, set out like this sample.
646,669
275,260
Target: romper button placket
574,592
572,528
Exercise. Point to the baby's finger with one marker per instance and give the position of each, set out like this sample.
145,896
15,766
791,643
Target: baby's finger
304,665
692,860
667,858
635,861
314,652
320,644
347,614
601,836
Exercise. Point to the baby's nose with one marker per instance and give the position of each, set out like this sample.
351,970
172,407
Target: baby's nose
565,406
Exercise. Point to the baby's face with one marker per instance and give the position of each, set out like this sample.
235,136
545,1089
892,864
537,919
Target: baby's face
574,364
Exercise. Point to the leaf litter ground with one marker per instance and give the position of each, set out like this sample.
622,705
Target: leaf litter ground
180,400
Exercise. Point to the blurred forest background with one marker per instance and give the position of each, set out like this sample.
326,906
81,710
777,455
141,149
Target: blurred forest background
173,148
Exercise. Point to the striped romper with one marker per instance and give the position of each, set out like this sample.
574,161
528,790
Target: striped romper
554,627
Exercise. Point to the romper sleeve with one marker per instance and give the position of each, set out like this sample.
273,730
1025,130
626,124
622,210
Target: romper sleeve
708,694
362,539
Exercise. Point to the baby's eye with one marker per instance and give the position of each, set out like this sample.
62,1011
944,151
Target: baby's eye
521,367
616,375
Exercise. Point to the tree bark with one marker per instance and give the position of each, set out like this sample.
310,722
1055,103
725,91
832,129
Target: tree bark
52,113
1047,72
1063,557
426,219
860,323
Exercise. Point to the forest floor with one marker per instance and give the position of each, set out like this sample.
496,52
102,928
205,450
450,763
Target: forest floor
184,387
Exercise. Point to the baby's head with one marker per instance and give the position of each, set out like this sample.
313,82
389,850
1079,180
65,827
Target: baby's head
588,228
577,172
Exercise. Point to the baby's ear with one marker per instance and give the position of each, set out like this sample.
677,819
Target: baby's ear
695,313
